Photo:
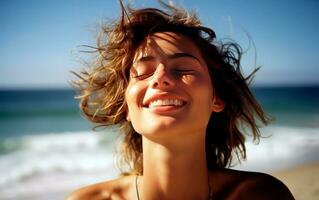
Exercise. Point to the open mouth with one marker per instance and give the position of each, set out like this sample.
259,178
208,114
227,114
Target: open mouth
165,106
166,102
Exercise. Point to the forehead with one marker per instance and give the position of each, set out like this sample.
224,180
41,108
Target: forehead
165,44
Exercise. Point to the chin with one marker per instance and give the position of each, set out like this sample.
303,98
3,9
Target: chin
156,129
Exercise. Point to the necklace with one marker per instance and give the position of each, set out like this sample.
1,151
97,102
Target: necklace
210,192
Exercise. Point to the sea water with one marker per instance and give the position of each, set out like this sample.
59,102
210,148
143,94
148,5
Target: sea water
47,148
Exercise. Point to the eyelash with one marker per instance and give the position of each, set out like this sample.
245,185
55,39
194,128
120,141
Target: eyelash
184,70
176,71
141,76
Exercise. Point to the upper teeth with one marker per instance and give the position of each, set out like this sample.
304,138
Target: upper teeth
165,102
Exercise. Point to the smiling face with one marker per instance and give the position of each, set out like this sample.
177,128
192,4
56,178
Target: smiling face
170,90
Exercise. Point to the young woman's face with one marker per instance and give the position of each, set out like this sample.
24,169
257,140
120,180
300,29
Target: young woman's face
170,90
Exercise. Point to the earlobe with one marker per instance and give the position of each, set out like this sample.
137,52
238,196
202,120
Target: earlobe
218,105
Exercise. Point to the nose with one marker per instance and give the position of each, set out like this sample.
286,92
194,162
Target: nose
161,78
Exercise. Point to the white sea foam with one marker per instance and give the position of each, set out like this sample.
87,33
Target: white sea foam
55,162
282,147
62,162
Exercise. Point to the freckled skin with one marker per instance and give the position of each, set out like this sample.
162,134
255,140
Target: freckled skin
164,71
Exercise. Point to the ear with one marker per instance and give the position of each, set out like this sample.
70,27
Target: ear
218,105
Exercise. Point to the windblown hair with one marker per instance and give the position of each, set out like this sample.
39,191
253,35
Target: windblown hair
102,87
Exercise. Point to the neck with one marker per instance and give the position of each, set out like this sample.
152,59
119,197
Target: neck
174,168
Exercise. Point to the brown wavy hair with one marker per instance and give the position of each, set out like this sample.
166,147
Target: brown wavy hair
102,86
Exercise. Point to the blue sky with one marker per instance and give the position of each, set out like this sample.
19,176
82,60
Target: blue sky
39,39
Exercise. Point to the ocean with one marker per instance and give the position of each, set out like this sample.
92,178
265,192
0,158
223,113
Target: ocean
47,148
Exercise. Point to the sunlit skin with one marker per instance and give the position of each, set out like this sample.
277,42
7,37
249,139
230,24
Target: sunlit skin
170,66
167,68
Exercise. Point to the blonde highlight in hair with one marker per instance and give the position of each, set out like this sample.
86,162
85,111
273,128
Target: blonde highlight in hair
102,87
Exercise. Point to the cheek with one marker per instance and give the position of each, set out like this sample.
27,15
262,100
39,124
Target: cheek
130,96
131,91
200,83
134,97
203,90
188,79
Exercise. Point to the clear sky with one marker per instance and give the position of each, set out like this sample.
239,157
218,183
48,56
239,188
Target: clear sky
39,39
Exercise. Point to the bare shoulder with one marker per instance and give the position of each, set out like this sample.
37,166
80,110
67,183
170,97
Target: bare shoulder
264,187
120,188
252,185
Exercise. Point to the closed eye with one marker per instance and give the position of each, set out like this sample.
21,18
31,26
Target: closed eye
184,71
142,76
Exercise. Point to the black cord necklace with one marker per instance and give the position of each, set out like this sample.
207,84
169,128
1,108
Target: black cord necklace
210,192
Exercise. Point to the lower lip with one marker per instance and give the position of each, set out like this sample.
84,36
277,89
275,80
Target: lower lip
166,109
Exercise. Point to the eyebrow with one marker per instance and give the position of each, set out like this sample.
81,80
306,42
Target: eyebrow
172,56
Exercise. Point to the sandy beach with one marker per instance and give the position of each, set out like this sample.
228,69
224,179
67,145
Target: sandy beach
303,181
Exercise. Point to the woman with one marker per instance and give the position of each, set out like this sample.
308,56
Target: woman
182,104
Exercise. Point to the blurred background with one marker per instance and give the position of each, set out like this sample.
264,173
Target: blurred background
47,149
